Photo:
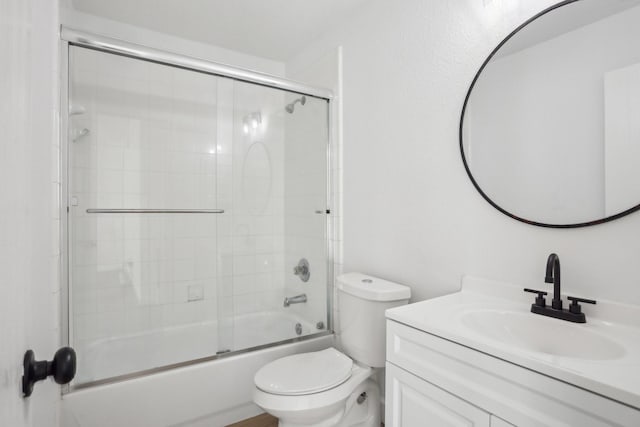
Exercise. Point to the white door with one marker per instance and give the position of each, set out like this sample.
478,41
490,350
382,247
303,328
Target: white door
413,402
29,212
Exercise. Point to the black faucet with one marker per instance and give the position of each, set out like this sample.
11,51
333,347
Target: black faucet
553,276
574,313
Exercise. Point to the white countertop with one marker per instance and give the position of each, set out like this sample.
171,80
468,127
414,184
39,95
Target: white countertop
603,355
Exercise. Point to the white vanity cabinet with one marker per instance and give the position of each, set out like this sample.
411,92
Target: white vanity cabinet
431,381
414,402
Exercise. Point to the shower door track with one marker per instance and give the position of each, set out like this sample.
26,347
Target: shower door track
71,37
156,370
136,51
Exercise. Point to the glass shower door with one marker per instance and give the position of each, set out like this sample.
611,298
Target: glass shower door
144,148
192,198
279,216
307,208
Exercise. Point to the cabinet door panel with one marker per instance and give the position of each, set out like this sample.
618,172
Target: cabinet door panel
413,402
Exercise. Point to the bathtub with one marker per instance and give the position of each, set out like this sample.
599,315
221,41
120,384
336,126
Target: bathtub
211,393
113,357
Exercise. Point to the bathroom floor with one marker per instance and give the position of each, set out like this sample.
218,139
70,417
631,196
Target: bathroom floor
262,420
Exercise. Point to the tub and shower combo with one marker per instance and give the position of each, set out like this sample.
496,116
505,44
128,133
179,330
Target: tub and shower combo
197,232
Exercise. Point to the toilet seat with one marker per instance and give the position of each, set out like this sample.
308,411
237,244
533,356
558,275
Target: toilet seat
306,373
314,403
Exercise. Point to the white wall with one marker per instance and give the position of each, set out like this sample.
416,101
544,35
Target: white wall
410,212
29,211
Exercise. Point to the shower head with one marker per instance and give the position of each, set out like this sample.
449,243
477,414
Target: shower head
290,107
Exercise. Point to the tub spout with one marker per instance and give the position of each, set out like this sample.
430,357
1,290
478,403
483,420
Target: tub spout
295,300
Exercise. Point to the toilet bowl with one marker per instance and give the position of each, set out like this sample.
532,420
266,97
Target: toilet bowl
319,389
332,388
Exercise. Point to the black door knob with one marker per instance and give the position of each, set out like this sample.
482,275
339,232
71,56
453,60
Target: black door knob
62,368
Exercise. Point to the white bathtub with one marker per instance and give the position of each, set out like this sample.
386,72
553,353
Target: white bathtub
213,393
112,357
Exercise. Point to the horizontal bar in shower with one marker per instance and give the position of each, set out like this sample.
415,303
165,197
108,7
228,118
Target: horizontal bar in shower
156,211
120,47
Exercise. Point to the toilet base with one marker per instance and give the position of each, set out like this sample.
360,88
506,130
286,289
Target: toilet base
348,413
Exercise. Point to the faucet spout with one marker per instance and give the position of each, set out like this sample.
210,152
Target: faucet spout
553,276
298,299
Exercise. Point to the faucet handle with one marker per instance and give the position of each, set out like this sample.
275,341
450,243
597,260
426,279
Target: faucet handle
575,307
577,300
540,301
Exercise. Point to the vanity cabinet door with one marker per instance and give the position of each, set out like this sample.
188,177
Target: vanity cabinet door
413,402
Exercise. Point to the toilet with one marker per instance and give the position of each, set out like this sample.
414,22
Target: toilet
330,388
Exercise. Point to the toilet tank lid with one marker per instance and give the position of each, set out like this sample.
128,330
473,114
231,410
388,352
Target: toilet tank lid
372,288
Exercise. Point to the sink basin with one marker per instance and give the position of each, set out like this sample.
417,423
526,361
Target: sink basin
494,318
531,332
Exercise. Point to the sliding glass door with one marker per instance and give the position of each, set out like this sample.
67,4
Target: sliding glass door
192,197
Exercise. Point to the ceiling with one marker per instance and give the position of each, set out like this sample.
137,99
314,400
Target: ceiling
275,29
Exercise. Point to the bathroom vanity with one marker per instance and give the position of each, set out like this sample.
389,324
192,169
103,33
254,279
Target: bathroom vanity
479,357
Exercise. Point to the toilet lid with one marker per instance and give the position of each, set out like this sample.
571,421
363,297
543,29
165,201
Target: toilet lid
304,373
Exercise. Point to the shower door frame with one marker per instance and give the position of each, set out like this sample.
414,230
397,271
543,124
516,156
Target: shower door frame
70,37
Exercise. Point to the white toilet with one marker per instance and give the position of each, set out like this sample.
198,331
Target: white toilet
328,388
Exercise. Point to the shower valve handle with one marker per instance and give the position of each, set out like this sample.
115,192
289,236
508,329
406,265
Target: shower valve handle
302,270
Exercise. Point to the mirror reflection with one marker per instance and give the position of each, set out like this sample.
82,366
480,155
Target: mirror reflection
550,133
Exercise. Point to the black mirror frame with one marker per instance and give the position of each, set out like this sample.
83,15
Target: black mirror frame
461,140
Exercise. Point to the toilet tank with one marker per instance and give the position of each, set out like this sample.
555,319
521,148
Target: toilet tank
362,301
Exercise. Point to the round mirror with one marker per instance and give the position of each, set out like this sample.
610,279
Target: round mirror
550,128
